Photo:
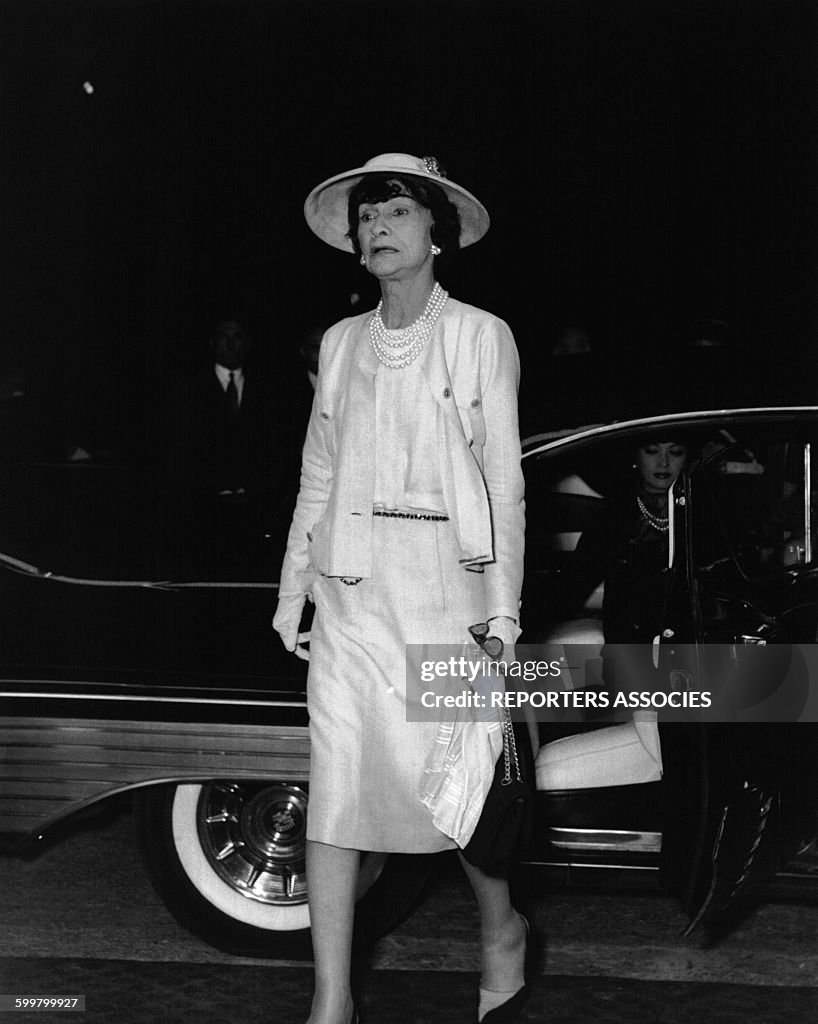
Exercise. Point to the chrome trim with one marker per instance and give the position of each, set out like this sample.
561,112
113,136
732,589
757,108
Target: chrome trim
679,418
807,502
153,699
52,767
48,575
586,866
605,839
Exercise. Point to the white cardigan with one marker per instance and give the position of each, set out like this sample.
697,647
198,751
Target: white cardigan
472,369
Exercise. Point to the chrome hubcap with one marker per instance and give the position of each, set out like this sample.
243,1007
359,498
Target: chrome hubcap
254,838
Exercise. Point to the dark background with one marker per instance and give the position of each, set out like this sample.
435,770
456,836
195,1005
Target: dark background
645,165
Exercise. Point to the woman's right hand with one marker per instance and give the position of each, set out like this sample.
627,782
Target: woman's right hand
286,622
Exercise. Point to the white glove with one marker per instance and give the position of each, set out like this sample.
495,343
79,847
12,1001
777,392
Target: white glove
286,621
508,631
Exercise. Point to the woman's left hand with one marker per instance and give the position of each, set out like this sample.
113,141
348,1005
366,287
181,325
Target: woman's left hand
508,631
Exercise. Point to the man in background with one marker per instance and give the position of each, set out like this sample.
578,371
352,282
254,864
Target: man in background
217,421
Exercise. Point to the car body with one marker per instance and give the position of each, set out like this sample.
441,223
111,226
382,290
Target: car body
738,796
137,657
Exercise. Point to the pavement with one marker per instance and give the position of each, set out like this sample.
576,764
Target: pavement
81,919
127,992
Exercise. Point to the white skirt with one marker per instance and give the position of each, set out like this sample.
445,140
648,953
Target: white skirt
367,761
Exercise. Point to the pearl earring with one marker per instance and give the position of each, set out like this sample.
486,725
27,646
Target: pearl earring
435,250
363,260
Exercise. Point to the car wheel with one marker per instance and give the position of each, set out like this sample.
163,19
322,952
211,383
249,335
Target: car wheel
228,860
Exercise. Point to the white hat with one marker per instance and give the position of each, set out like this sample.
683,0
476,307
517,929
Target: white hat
326,207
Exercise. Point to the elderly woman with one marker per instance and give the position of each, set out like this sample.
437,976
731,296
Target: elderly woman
409,526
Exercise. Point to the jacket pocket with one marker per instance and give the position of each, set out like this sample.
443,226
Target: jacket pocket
318,546
327,425
474,426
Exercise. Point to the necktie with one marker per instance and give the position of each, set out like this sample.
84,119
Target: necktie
232,396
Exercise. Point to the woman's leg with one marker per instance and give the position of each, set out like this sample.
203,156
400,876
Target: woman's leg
502,938
332,875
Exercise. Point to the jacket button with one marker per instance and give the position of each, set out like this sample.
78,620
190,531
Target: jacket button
475,403
447,392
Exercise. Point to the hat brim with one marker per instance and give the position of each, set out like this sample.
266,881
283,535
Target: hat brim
325,208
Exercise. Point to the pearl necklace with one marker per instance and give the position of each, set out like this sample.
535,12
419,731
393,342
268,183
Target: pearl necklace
660,523
399,348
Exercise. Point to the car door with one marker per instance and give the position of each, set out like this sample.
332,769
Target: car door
741,792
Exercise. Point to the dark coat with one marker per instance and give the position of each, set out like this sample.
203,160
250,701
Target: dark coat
626,553
207,449
630,556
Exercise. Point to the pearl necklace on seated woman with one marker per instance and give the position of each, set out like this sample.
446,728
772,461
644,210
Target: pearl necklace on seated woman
652,518
658,465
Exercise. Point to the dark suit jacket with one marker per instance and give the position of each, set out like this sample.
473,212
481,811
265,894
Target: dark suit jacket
208,450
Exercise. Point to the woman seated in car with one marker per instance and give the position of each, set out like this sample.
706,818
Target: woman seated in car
628,550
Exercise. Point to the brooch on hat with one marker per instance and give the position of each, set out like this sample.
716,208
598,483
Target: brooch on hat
432,166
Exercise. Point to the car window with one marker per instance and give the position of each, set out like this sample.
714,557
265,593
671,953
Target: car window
111,521
747,510
569,493
753,501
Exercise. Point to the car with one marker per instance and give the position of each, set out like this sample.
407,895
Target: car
138,658
713,806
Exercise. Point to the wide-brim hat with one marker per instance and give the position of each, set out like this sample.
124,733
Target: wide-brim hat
326,207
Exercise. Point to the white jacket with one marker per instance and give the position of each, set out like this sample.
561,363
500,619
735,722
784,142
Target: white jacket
473,376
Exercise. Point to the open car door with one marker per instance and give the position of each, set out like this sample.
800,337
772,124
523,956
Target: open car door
741,793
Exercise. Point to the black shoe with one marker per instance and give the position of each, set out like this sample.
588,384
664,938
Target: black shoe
510,1010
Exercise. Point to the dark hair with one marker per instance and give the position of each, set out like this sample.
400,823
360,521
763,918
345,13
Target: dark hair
655,439
383,186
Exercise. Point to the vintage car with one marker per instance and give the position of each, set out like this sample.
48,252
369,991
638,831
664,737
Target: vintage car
136,657
709,804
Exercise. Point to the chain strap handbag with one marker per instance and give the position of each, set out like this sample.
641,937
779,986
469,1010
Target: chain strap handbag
504,827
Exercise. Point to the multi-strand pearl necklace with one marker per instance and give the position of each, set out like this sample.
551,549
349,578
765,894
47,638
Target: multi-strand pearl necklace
659,523
401,347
